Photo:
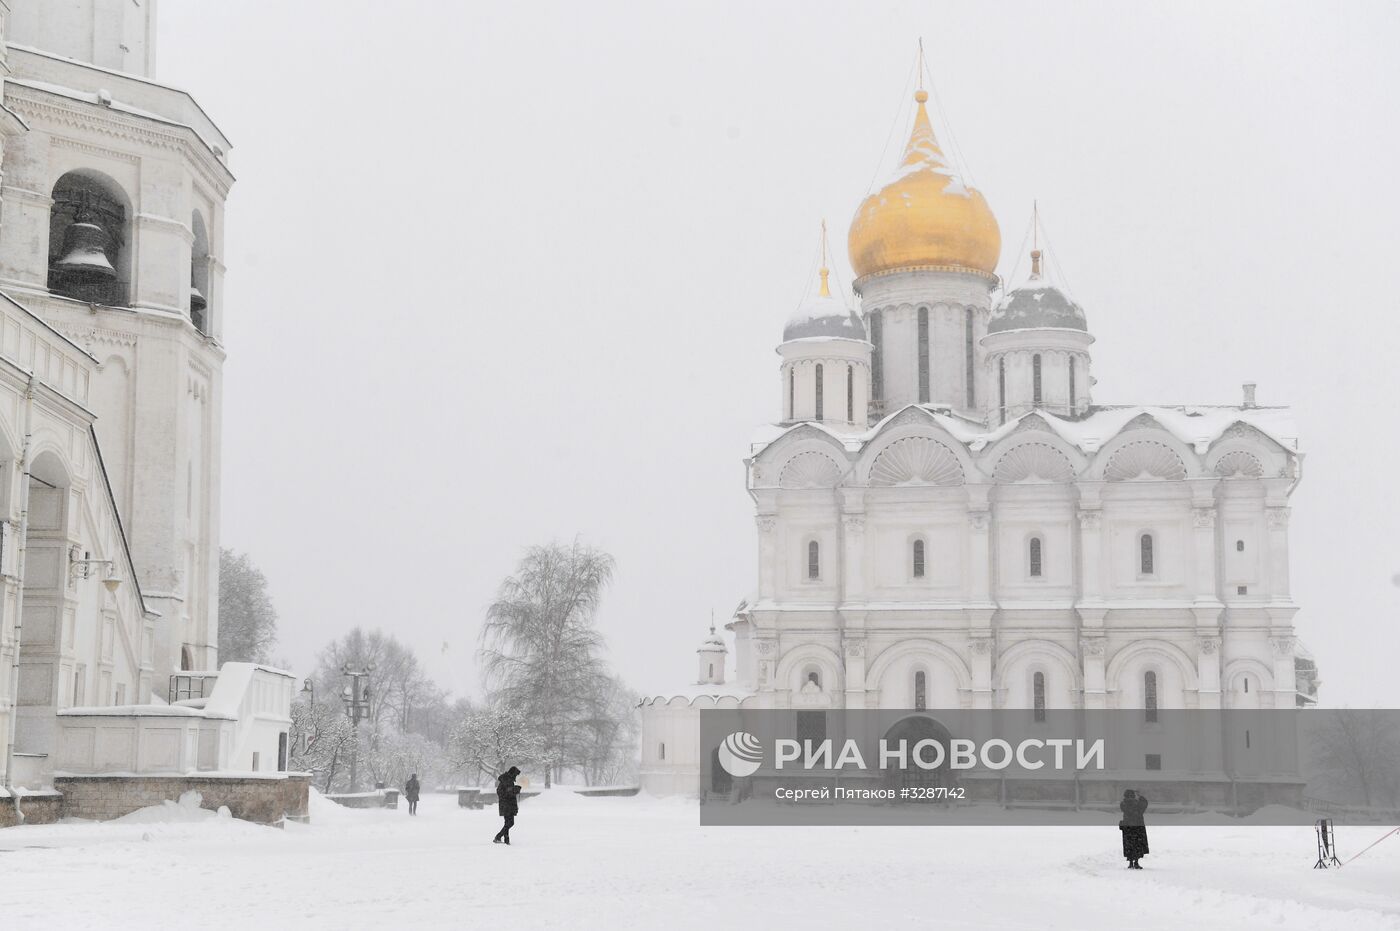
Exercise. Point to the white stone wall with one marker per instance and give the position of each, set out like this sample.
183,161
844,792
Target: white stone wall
158,421
115,34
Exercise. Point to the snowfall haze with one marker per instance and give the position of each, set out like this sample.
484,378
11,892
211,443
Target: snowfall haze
511,273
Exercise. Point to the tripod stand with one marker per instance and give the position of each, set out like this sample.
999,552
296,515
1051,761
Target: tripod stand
1326,846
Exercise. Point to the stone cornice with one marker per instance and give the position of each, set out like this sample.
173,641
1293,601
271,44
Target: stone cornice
40,106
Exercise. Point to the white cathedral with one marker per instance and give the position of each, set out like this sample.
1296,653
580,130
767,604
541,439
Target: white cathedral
946,519
111,314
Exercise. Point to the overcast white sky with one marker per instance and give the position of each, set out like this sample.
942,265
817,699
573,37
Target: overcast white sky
512,272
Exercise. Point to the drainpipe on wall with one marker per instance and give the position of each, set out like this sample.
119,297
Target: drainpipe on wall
23,535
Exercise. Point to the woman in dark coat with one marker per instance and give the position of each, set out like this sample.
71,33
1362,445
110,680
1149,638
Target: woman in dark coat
507,803
1133,827
410,793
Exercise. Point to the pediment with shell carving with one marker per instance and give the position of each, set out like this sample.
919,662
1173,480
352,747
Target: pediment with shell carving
1239,464
916,460
1144,460
810,470
1033,462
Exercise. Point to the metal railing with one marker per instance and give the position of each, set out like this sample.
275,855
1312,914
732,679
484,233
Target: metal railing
191,686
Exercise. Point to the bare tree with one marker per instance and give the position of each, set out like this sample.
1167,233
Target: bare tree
540,648
488,740
1357,754
247,618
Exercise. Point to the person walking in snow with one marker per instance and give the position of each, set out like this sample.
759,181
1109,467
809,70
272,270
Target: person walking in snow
410,792
1134,828
507,803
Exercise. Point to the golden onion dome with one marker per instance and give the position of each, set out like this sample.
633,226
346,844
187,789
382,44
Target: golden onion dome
926,217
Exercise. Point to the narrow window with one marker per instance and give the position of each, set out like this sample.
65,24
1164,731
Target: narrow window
850,394
1246,685
1035,387
256,755
661,751
918,559
1038,690
1145,554
1072,393
923,355
712,670
1001,387
792,394
1239,546
920,691
819,391
1241,589
1153,762
877,367
1035,557
1149,695
969,358
814,563
1246,739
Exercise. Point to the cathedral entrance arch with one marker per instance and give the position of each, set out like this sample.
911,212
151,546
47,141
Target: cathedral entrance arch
911,730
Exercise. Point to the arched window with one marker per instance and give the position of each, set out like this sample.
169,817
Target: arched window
661,751
1034,557
1038,693
1149,695
819,391
89,236
199,274
918,559
920,691
1001,387
877,366
1035,376
792,394
1239,546
850,394
814,560
923,355
814,677
1146,554
969,358
712,670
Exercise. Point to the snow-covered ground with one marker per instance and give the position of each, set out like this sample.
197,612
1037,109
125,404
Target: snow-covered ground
619,863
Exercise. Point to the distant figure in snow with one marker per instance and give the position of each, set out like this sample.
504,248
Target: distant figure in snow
410,792
1133,827
507,803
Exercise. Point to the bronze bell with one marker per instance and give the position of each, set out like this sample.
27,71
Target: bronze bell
197,301
85,253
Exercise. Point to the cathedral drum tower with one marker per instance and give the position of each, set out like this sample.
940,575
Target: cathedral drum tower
112,230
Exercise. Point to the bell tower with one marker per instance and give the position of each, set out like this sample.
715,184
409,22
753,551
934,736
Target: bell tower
111,230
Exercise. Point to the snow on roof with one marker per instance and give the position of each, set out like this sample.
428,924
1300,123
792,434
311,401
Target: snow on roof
702,690
1197,425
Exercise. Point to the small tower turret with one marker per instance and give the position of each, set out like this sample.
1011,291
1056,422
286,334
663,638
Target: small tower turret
1037,349
826,360
712,655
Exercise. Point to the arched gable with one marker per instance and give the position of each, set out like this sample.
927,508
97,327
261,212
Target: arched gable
907,649
918,451
1034,457
1150,450
1151,654
1243,451
771,461
1023,656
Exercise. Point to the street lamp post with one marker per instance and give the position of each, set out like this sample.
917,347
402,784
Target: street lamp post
357,707
308,688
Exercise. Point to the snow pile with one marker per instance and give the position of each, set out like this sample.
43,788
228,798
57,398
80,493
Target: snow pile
323,811
184,811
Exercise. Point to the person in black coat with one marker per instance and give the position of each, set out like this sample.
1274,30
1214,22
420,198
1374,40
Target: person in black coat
1133,827
410,793
507,803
